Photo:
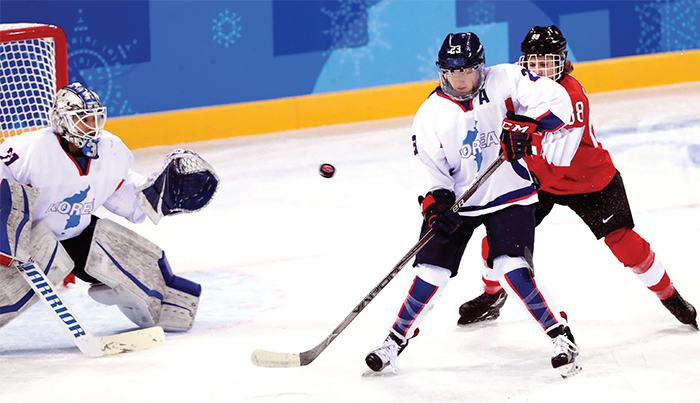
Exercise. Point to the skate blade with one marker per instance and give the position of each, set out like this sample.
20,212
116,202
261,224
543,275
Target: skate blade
488,317
477,326
569,370
386,371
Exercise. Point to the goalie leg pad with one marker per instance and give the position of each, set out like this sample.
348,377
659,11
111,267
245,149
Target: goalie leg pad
127,263
130,304
17,203
179,310
15,294
137,278
180,302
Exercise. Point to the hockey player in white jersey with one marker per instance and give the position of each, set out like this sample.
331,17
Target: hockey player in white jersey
62,174
475,114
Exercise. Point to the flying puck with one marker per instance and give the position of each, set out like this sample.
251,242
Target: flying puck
327,170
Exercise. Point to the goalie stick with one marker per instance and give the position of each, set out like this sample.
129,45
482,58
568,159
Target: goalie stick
271,359
90,345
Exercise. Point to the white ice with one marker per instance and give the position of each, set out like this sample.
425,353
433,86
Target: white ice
284,255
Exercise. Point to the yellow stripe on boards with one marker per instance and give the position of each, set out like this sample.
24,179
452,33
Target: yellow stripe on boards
249,118
639,71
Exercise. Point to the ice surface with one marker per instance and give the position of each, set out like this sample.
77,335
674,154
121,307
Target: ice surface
284,254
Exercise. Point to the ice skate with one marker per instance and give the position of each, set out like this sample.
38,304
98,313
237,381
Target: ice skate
485,307
387,354
565,354
681,309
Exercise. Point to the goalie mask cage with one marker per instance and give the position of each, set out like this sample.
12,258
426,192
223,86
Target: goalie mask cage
33,66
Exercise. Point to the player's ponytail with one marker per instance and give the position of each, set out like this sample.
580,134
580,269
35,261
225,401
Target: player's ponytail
568,67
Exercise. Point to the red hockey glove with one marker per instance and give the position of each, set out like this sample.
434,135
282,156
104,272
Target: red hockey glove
516,137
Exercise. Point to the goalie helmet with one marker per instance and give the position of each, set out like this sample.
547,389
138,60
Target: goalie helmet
461,63
544,52
78,116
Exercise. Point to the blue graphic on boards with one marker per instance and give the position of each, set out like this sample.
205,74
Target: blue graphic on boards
152,56
227,28
316,26
102,37
596,30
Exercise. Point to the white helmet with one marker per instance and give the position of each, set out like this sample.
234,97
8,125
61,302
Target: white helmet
78,116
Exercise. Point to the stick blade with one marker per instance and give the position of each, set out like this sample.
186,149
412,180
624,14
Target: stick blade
271,359
137,340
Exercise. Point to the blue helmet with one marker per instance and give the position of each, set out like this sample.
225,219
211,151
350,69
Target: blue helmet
461,53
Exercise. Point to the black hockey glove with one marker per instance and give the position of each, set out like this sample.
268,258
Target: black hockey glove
516,137
437,214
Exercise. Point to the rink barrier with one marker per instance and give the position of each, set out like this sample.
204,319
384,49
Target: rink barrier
198,124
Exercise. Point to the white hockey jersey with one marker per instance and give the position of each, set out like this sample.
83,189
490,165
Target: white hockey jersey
456,141
68,195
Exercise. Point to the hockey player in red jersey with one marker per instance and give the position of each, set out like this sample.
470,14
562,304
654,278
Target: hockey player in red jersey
574,170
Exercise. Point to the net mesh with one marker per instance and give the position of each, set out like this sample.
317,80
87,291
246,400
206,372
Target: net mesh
27,84
28,75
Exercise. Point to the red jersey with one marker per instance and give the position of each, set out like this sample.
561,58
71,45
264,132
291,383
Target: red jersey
591,168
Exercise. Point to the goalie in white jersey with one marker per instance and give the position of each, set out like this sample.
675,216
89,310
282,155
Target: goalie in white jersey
474,115
62,175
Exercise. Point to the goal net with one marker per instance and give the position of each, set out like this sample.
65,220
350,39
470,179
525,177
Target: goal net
33,66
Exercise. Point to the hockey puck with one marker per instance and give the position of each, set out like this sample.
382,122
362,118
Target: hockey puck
327,170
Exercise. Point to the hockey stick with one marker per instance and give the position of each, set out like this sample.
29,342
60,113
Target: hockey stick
90,345
271,359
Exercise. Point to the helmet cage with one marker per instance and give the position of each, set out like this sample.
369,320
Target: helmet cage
82,124
544,52
548,65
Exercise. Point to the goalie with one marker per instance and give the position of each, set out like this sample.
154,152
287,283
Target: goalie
52,180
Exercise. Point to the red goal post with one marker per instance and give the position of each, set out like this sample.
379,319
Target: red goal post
33,66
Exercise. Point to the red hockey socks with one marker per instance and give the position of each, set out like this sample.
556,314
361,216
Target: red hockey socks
634,252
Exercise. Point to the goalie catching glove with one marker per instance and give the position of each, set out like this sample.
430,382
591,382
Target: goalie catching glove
438,215
186,183
516,137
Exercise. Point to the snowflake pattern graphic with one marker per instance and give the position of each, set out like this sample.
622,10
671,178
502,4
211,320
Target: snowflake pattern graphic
427,67
354,35
481,12
227,28
668,26
348,25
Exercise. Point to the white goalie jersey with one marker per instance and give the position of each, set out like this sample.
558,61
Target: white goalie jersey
71,193
456,141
